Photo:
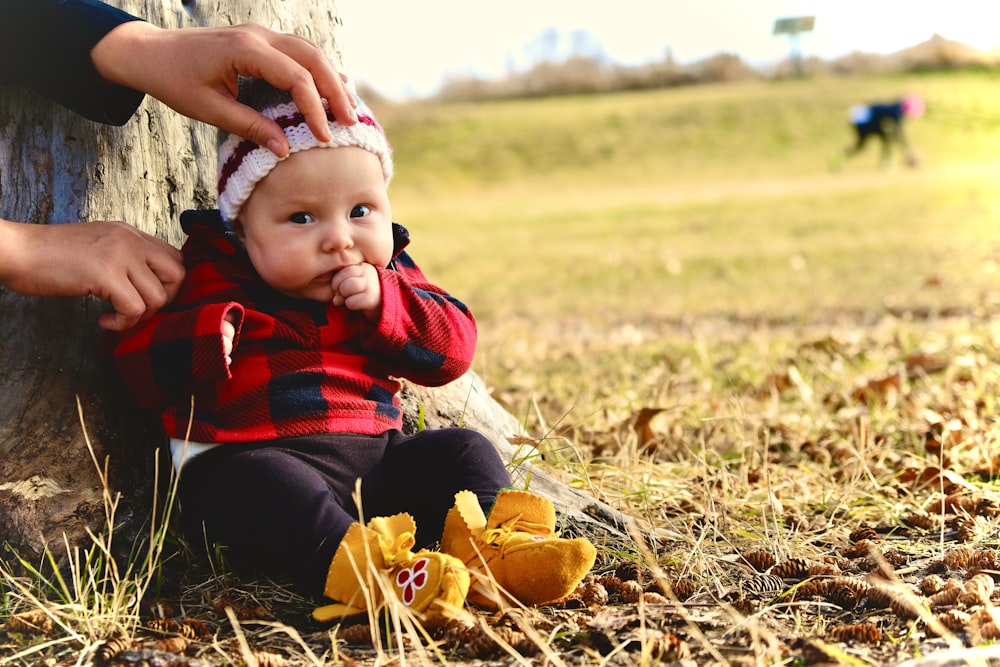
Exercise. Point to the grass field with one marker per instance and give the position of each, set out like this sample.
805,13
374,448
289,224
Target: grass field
679,207
805,338
720,198
788,375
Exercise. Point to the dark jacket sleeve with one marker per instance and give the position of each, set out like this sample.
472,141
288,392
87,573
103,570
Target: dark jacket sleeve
45,45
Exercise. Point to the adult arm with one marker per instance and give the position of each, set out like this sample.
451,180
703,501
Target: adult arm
45,45
892,117
98,61
136,272
94,59
904,144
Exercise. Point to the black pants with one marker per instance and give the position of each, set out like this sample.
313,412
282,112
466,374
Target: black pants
887,130
282,507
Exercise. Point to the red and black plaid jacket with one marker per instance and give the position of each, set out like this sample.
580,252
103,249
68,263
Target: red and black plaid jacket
299,367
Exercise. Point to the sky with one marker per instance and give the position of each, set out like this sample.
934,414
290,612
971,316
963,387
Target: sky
405,48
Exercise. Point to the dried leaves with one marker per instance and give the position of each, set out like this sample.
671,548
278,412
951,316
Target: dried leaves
33,622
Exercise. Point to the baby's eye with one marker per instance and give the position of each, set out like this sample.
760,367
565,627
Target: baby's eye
301,218
360,211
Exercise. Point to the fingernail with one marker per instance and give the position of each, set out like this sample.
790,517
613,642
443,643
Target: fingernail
275,147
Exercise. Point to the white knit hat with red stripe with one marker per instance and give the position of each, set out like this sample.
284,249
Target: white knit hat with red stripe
242,163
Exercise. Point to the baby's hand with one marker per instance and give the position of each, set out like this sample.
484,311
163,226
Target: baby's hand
228,336
357,287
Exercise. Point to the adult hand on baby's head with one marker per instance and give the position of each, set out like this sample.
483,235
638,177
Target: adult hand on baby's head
194,71
357,287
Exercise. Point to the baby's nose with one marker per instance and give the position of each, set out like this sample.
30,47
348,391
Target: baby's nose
337,236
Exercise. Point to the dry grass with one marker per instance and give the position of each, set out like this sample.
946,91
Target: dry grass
806,481
798,491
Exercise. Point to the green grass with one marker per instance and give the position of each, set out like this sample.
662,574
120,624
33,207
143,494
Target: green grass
685,135
565,215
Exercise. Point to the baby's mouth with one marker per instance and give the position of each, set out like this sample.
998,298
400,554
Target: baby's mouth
328,276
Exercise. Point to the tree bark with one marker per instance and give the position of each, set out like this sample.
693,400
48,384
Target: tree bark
56,168
466,402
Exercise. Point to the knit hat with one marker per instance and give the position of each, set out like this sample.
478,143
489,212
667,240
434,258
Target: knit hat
913,106
243,163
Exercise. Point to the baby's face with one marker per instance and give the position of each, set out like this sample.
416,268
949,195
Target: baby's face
316,212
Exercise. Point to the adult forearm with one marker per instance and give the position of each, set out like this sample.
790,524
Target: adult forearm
45,45
136,272
15,251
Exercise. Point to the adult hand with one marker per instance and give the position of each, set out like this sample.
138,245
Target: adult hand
136,272
194,71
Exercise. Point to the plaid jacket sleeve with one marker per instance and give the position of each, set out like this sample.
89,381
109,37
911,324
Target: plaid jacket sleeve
180,347
172,352
424,335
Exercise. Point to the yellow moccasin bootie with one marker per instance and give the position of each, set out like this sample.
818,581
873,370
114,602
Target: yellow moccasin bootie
516,547
431,584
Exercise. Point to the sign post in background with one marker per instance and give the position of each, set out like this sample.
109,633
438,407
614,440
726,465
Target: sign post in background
794,26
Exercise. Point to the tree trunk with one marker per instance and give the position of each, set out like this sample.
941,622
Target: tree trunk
56,167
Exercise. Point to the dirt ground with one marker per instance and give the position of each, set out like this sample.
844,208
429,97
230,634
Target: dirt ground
886,598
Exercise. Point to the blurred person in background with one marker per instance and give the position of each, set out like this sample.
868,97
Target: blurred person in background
883,120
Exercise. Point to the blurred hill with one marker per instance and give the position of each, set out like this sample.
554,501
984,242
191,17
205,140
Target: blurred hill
583,74
936,54
941,53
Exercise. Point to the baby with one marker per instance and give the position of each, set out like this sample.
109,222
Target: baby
274,372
